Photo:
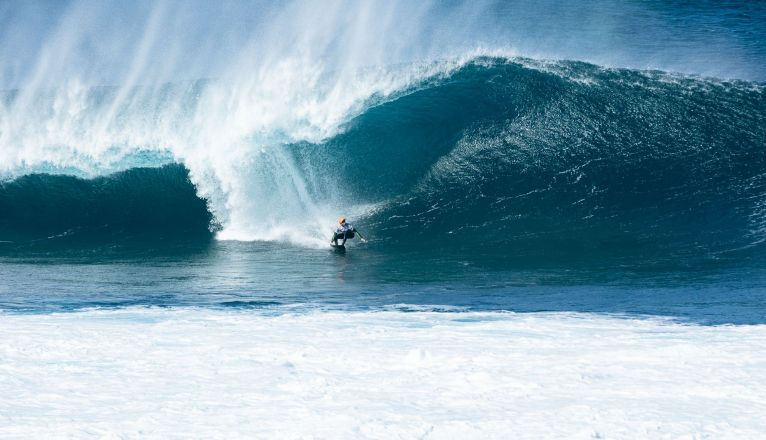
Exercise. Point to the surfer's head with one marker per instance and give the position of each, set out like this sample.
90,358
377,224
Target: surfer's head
341,220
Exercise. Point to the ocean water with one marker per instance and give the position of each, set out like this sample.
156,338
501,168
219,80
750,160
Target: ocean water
565,207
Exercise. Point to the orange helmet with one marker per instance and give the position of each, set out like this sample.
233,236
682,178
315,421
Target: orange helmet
341,220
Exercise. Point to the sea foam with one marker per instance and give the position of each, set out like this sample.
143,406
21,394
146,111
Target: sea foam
176,373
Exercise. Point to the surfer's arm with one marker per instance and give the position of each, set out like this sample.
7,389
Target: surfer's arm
364,240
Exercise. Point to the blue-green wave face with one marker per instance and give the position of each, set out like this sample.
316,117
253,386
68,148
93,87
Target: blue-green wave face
508,161
578,162
43,210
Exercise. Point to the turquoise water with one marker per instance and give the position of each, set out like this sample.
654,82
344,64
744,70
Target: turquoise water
272,278
497,187
489,182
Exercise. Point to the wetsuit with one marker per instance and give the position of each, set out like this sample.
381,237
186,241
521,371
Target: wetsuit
344,231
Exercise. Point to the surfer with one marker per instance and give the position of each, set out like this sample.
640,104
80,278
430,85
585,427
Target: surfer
345,231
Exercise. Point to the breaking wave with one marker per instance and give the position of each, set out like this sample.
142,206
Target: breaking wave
507,158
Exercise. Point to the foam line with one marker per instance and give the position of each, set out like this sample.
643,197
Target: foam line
173,373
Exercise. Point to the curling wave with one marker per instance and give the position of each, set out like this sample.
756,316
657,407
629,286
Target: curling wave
513,159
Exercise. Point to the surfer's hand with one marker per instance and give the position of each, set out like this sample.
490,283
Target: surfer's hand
364,240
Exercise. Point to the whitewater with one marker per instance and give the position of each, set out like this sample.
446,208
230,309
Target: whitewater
565,206
187,372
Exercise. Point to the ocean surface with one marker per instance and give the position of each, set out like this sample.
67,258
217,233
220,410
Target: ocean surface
566,221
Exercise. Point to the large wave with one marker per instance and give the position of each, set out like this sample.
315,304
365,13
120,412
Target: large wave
567,159
506,158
